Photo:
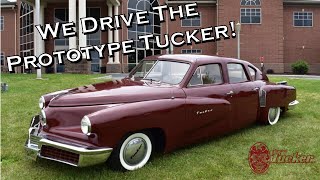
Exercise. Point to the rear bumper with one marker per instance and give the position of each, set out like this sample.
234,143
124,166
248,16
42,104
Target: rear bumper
293,104
39,147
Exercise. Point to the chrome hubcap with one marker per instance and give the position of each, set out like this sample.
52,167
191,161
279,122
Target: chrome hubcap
135,151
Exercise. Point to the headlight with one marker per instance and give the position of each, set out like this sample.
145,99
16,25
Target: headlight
86,125
43,118
42,102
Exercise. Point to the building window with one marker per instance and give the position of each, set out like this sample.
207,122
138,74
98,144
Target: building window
250,3
303,19
2,57
61,15
191,22
94,39
250,15
154,28
26,32
191,51
1,23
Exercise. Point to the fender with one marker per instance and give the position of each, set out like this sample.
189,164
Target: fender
277,95
273,95
110,125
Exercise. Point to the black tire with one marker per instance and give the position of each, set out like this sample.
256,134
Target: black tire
132,153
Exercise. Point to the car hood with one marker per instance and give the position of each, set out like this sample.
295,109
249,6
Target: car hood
112,92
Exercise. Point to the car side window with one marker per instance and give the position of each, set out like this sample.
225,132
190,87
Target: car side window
144,69
253,73
207,74
237,73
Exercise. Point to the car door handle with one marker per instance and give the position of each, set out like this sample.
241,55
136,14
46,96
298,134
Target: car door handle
256,89
230,93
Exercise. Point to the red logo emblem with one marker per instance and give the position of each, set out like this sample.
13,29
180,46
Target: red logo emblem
259,158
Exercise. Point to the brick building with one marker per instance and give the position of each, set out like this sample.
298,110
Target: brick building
281,31
8,31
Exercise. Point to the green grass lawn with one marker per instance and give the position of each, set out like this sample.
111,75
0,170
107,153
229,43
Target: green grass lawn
224,158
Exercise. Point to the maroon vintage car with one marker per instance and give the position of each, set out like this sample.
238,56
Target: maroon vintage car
166,102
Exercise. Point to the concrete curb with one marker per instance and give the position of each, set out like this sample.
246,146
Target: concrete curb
315,77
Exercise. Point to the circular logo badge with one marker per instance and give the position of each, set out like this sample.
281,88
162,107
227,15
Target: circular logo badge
259,158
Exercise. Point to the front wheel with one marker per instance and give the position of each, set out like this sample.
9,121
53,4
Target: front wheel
132,153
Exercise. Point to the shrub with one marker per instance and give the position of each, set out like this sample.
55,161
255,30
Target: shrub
300,67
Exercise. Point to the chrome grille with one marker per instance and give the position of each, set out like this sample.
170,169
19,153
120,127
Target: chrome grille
59,154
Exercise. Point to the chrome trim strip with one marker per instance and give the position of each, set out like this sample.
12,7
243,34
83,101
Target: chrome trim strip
74,149
64,162
262,98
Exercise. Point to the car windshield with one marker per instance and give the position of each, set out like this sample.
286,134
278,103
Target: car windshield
158,71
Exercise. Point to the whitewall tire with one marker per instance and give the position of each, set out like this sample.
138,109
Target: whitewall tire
274,115
132,153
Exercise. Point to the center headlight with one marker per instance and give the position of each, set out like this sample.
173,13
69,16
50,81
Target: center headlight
42,102
86,125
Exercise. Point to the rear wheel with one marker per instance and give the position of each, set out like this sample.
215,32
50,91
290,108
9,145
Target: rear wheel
274,115
132,153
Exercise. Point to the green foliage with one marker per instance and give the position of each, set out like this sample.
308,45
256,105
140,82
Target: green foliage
300,67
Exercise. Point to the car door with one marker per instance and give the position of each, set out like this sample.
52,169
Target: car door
207,103
244,96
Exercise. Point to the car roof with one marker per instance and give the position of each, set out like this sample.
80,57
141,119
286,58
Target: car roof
195,58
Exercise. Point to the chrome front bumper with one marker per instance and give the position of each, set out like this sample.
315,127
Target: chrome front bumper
39,147
293,104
